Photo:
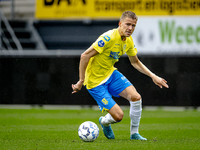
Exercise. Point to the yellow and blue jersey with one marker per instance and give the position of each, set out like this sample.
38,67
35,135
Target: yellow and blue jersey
110,47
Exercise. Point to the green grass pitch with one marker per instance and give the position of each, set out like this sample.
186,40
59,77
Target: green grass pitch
40,129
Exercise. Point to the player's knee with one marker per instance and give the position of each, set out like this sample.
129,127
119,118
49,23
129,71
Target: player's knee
119,116
136,97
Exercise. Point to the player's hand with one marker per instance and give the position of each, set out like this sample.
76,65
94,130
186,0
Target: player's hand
160,81
77,87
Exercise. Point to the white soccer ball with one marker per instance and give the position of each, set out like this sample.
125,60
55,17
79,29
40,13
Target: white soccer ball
88,131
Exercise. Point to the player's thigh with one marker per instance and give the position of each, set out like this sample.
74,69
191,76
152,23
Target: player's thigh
116,112
130,93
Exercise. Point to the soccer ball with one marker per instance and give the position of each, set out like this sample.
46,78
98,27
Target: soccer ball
88,131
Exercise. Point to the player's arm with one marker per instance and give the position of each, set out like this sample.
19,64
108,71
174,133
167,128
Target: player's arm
136,63
84,59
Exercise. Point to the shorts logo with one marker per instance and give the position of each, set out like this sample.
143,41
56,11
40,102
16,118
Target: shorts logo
101,43
104,101
123,78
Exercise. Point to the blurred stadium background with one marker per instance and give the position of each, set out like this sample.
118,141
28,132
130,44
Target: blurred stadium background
41,42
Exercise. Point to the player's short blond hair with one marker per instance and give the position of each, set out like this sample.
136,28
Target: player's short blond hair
128,14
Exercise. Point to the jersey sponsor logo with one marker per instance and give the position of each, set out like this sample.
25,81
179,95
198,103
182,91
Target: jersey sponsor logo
114,55
104,101
107,38
101,43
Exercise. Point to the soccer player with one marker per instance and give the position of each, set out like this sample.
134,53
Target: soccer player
103,80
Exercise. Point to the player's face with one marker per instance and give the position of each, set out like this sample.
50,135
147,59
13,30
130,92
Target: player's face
127,26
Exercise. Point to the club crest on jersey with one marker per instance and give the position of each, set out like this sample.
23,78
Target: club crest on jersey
124,47
101,43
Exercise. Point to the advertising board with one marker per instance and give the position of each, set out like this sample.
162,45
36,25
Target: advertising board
167,35
95,9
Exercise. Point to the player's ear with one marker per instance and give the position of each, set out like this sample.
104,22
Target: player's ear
119,23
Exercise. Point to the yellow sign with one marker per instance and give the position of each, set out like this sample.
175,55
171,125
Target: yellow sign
95,9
